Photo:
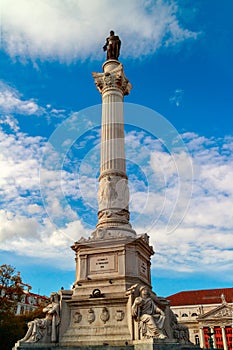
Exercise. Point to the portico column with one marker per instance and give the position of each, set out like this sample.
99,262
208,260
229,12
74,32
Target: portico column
224,338
202,338
213,336
18,311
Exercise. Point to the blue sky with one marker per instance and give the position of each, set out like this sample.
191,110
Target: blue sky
178,56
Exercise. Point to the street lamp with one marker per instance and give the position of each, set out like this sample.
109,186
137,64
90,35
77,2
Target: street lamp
210,340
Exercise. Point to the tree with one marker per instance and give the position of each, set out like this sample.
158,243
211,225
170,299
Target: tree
10,288
11,327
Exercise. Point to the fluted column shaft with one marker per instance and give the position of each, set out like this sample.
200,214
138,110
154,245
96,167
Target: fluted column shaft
202,337
213,336
112,137
113,194
224,338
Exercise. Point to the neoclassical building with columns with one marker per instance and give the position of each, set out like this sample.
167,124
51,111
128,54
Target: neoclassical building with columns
206,311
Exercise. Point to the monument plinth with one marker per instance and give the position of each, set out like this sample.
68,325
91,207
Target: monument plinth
111,304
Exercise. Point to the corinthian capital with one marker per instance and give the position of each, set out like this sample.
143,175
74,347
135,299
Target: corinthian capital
112,79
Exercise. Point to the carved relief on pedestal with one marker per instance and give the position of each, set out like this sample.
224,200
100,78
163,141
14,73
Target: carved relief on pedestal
107,194
119,315
104,316
101,234
113,193
113,79
117,214
77,317
91,315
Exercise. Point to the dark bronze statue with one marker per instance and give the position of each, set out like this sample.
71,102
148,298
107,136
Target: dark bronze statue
112,46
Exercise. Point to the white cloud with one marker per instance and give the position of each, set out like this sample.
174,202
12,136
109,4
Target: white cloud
203,240
17,226
69,30
11,122
26,237
10,102
193,249
177,97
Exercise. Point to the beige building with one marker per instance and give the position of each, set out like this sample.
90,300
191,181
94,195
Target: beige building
29,301
204,311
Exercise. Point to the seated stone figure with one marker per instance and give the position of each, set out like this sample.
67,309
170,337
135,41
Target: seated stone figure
155,317
150,316
45,330
180,332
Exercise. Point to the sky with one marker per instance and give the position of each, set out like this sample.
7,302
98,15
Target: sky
178,135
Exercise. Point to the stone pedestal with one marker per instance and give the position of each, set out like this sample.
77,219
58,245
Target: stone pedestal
99,308
112,263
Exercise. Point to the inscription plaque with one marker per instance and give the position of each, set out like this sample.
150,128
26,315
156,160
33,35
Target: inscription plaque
103,263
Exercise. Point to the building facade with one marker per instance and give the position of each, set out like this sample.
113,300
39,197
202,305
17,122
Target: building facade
28,301
206,312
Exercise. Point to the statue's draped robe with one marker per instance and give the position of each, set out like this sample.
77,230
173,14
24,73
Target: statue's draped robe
38,329
151,317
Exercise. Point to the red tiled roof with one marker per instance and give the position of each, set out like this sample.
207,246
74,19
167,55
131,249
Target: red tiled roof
39,296
199,297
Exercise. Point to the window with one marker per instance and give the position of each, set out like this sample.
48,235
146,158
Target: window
194,314
197,340
184,315
22,309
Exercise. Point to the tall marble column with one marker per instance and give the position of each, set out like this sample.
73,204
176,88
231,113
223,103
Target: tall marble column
224,338
113,194
213,336
202,337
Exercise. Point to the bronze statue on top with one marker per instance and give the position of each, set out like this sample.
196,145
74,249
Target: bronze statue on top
112,46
